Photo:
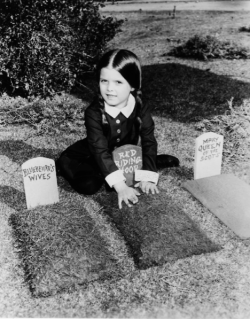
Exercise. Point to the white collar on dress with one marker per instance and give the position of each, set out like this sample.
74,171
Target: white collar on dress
126,111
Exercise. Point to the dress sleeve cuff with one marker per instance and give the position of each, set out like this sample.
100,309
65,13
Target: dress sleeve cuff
146,176
115,177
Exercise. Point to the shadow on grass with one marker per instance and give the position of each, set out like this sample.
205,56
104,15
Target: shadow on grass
184,93
12,197
19,152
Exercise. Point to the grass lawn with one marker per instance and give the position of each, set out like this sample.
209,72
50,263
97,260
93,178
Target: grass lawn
187,97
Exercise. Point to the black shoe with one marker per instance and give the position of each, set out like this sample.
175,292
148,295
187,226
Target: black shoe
163,161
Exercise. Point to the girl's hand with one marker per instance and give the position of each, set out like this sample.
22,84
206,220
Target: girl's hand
126,194
147,186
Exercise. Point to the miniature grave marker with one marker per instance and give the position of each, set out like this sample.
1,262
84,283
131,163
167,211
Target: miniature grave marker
40,183
208,155
128,158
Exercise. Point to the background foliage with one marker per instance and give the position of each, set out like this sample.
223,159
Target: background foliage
209,47
46,45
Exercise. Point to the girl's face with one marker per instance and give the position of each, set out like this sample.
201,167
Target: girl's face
114,88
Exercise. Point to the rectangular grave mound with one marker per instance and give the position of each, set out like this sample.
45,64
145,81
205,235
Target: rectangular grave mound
157,230
61,248
226,196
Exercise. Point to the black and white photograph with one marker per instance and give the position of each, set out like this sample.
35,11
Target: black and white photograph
125,159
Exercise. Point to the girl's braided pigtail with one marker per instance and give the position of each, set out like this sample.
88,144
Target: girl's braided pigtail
138,99
105,123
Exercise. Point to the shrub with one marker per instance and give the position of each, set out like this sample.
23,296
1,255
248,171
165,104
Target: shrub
209,47
234,125
46,45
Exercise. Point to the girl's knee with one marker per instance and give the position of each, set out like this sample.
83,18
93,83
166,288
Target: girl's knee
87,185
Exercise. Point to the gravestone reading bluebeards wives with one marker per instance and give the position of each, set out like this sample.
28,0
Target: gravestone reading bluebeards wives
128,158
208,155
40,183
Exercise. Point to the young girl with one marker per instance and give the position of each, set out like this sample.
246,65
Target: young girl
115,118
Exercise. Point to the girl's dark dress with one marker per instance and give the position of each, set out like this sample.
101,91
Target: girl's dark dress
88,162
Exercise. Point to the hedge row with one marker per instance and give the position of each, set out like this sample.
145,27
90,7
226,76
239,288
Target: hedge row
47,45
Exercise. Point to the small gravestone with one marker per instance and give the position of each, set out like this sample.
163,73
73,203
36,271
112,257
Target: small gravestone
208,155
128,158
40,183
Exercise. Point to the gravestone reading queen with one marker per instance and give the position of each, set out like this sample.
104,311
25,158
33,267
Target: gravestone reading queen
128,158
226,196
40,183
208,155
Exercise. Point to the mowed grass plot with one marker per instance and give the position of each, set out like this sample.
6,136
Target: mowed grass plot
157,230
61,246
182,93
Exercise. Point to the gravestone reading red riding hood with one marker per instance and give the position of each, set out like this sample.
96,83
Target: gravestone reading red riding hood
40,183
128,158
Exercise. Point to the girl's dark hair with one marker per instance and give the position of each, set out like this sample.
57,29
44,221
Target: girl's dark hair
128,65
125,62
